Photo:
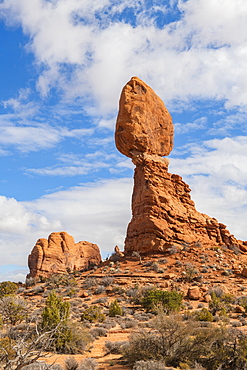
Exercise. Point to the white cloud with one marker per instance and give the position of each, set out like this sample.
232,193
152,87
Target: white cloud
71,164
202,55
100,212
97,212
39,136
198,124
217,174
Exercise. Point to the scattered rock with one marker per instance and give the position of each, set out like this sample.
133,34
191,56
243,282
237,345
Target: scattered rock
244,272
239,309
194,293
60,254
118,252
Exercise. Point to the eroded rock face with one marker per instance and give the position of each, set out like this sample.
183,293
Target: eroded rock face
60,253
163,214
143,123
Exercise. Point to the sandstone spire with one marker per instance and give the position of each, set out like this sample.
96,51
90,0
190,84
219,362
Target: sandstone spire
163,214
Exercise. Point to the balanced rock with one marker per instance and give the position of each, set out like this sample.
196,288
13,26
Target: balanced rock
163,213
60,253
143,123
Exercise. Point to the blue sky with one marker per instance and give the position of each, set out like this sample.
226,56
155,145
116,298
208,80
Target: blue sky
63,64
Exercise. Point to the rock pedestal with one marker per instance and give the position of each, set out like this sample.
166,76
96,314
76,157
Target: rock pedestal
163,213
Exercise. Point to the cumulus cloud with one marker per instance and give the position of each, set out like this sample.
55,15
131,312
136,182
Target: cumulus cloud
86,51
217,174
98,50
97,212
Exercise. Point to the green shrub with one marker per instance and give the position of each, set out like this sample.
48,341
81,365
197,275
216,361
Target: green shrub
8,288
93,314
13,309
68,337
242,301
115,309
150,365
176,342
204,315
56,311
221,303
169,301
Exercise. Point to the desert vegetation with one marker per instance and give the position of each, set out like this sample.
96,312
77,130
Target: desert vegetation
145,313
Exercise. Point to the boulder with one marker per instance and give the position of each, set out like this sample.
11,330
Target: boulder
143,123
60,254
194,293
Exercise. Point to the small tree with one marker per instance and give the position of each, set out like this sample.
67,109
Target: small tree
8,288
115,309
55,312
69,337
169,301
93,314
13,309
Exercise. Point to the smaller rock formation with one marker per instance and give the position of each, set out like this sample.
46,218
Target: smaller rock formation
59,254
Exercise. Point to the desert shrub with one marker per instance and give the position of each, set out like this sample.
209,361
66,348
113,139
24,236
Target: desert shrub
42,366
6,348
170,301
221,303
115,309
100,289
30,281
172,250
93,314
176,342
100,300
8,288
69,337
108,324
56,311
154,266
150,365
114,347
57,280
242,301
128,323
98,332
89,283
38,289
217,290
107,280
88,364
13,309
190,272
71,363
204,315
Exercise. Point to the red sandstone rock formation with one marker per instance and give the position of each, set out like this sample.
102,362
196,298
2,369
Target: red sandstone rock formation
143,124
163,213
60,253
